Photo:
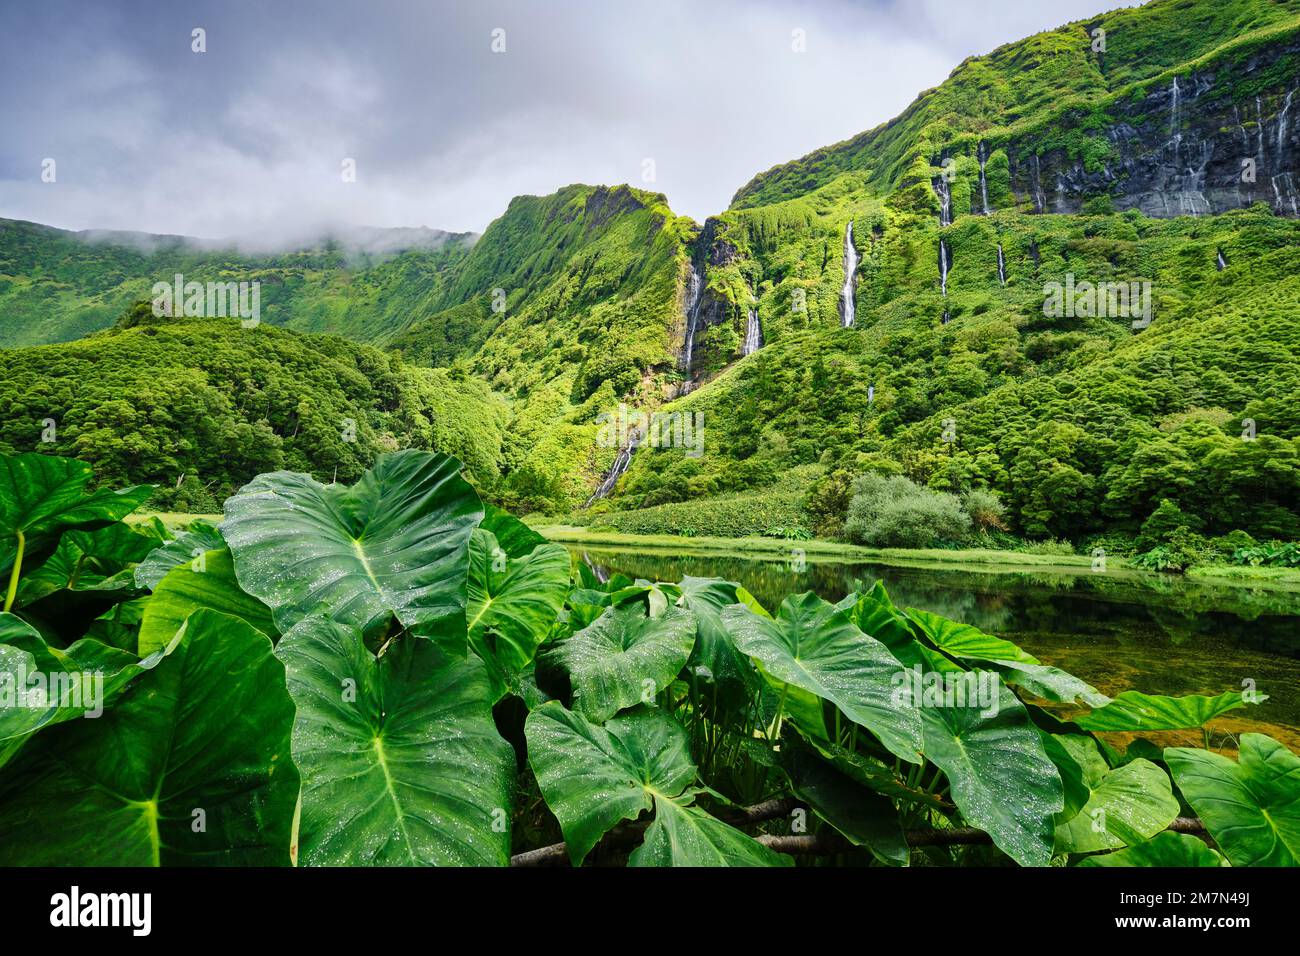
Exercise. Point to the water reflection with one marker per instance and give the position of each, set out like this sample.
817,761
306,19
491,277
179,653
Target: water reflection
1117,632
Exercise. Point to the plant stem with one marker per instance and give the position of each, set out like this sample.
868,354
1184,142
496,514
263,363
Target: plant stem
13,575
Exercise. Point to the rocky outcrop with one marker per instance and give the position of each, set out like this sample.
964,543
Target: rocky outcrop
1188,146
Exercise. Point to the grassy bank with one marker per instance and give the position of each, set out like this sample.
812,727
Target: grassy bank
815,550
978,560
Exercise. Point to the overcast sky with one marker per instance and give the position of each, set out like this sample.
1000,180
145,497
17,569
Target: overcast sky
249,138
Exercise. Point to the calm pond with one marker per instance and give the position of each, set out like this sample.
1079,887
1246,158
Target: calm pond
1157,634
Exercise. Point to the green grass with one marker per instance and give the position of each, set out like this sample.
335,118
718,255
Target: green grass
815,549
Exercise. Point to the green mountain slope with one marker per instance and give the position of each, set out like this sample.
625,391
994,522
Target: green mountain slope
1025,87
586,284
200,406
1155,146
57,285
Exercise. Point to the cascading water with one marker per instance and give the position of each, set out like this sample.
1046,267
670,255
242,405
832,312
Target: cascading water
753,334
850,270
982,154
1219,261
621,461
1002,265
945,201
691,312
1281,129
944,263
1175,137
1040,198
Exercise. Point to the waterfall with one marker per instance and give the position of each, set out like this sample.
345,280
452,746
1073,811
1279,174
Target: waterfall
1261,155
850,268
944,262
691,312
984,183
621,461
1289,196
945,200
1281,129
753,334
1175,137
1002,265
1220,262
1040,198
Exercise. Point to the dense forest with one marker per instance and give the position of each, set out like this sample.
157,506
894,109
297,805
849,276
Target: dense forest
1029,169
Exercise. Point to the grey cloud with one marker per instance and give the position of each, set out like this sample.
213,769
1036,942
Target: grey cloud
247,139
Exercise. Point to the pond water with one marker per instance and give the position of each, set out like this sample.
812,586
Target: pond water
1154,633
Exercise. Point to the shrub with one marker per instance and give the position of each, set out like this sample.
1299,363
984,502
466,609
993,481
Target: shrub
985,509
894,512
827,502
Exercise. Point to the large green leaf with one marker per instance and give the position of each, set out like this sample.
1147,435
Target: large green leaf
394,543
76,681
1049,683
1128,805
962,640
515,538
715,658
685,835
864,817
401,763
812,645
190,767
594,776
1163,850
875,615
1252,807
1134,711
200,538
512,603
41,496
1001,778
187,587
625,657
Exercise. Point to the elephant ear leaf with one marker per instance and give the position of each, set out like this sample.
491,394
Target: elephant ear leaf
686,835
512,604
625,656
814,646
514,537
200,538
209,582
715,657
41,496
594,776
61,683
1133,711
988,752
1251,807
1164,850
201,738
396,543
965,641
401,762
1127,806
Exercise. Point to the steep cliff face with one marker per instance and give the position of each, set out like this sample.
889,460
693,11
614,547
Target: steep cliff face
1198,143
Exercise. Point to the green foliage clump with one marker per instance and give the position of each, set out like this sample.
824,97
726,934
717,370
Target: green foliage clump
893,512
200,406
501,698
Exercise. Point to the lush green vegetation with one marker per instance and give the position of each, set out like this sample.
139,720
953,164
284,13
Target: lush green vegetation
394,674
1028,85
1066,431
200,406
57,285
